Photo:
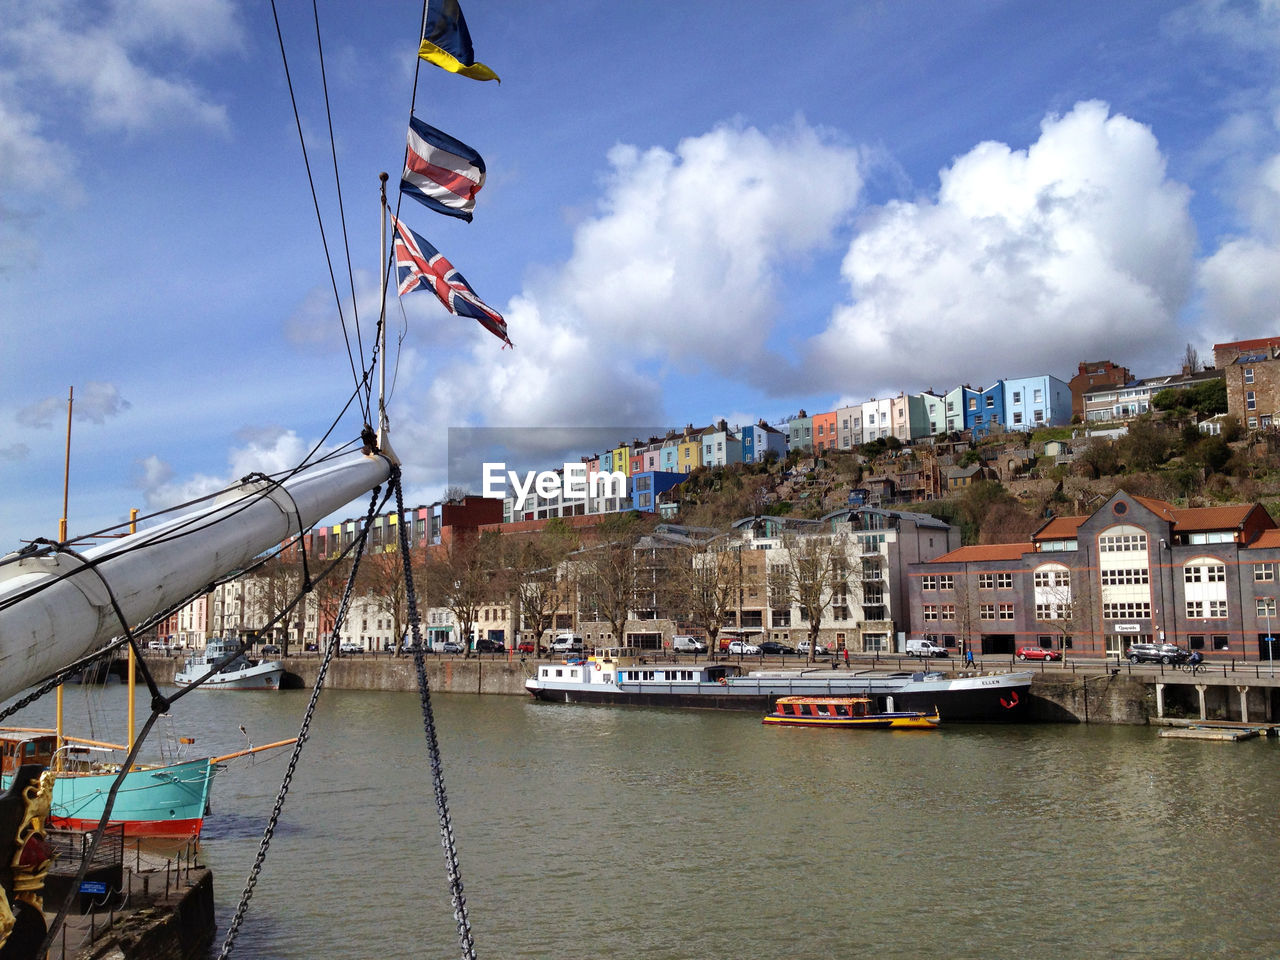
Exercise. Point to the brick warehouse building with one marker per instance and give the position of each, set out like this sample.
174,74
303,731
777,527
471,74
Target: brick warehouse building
1136,570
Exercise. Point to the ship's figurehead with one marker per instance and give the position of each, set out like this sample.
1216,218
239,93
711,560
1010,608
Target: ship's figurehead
25,858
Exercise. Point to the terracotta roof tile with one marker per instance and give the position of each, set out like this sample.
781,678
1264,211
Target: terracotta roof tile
1229,517
1268,538
1159,507
1059,528
986,551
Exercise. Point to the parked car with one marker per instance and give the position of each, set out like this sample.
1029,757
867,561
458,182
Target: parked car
1156,653
567,643
925,648
776,648
446,646
1038,653
743,647
682,644
803,647
350,647
271,650
485,645
527,646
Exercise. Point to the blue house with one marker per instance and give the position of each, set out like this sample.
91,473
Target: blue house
646,487
985,410
1031,402
759,440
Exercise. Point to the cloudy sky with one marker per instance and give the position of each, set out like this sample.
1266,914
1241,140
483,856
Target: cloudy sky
694,210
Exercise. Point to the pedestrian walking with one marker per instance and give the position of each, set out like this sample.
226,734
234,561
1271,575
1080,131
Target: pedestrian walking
968,657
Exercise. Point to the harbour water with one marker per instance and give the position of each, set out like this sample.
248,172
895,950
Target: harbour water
589,832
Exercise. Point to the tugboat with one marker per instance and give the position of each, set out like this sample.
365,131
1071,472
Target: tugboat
240,673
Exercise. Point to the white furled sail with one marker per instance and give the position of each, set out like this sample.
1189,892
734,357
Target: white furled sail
56,608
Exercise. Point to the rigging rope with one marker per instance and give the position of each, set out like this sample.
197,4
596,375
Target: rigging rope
433,744
304,732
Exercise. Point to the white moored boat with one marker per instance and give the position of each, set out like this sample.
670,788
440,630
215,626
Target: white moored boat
628,676
240,673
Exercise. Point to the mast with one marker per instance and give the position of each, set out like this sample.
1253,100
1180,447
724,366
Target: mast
62,538
383,426
56,608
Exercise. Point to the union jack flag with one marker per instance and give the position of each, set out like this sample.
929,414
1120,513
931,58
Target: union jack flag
419,265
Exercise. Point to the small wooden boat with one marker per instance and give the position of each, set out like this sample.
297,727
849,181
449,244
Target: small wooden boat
853,712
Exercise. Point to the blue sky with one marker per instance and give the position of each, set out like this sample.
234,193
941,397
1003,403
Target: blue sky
693,211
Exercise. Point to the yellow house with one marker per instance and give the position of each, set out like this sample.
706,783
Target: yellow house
689,451
621,459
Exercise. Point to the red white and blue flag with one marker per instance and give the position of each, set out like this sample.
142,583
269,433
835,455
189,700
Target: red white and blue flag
419,265
441,171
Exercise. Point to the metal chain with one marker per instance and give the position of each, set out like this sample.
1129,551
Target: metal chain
433,745
304,732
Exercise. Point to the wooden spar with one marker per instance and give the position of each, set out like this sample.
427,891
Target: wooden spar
54,609
244,753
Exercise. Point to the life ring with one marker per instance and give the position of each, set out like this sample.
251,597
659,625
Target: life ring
723,682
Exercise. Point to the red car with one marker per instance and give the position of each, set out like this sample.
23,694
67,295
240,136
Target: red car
1038,653
527,647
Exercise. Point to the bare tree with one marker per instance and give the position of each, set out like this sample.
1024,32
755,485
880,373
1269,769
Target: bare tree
1191,360
270,589
461,578
533,571
607,574
704,583
813,570
326,593
382,581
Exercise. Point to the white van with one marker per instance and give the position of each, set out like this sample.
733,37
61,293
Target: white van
567,643
682,644
925,648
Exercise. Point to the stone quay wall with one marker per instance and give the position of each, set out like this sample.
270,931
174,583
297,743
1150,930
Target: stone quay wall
1085,694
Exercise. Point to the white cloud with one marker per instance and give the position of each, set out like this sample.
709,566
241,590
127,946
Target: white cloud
95,402
122,67
266,450
1025,262
15,452
681,267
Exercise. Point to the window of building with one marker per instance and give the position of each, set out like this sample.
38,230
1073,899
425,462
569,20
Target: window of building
1253,423
1004,581
1196,641
929,582
1017,418
1248,374
946,581
1039,416
1217,609
1220,642
1006,611
973,403
987,611
1195,609
1126,611
930,611
1264,572
1119,576
986,581
1037,396
1266,606
1122,543
1250,401
1017,396
991,402
948,611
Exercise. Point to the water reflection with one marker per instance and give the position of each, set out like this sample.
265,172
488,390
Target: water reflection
595,831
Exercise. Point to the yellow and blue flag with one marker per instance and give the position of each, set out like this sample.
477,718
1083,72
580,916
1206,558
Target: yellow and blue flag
446,42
